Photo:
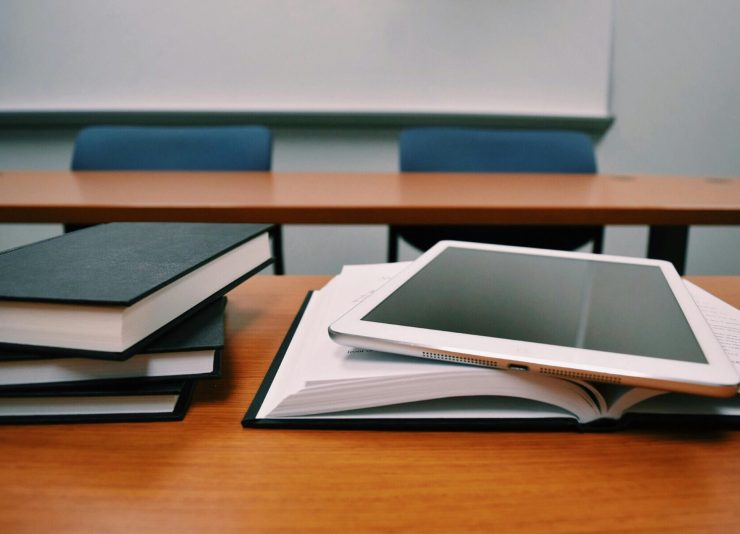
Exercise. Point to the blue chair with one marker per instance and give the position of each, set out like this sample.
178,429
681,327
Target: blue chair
223,148
477,150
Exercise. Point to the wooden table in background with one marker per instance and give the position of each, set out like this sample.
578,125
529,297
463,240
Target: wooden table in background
667,204
208,474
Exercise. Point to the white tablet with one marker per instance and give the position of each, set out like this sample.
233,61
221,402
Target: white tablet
585,316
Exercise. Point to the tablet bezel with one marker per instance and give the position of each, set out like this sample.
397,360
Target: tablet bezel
717,377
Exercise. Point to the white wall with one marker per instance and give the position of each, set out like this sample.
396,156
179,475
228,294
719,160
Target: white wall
675,96
292,55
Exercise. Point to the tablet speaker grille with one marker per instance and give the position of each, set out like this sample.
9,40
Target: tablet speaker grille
593,377
459,359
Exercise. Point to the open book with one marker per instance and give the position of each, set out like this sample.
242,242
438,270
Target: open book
314,382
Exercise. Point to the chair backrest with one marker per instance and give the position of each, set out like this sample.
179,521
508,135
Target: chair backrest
478,150
223,148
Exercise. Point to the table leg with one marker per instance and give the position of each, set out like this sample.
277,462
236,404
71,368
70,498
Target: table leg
669,243
277,249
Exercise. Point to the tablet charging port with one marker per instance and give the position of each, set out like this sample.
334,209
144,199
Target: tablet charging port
515,367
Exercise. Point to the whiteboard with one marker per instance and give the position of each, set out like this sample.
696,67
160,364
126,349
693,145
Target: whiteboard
517,57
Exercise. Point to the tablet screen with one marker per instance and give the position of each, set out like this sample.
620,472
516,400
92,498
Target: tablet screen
596,305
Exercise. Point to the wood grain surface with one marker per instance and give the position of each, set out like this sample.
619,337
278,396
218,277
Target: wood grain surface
208,474
367,198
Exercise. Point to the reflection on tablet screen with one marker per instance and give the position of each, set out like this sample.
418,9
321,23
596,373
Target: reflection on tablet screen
605,306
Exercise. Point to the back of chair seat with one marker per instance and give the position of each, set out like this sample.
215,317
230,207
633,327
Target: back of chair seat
226,148
513,151
473,150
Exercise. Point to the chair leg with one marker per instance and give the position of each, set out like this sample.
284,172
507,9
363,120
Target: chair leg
598,242
392,244
277,249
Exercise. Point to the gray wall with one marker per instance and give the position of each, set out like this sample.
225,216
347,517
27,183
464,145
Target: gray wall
675,96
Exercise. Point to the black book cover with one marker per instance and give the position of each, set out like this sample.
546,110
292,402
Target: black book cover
201,330
117,264
182,389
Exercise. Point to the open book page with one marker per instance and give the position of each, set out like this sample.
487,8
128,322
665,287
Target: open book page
723,319
465,382
621,398
318,376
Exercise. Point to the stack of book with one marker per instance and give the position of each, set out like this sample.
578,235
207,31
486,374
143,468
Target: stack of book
114,322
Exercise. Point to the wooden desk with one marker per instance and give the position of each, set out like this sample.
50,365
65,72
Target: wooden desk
207,474
667,204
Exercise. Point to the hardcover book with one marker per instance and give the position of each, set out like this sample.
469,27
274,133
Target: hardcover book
315,383
131,401
109,290
191,350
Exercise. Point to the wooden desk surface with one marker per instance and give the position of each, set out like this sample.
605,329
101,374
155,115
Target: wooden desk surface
207,474
366,198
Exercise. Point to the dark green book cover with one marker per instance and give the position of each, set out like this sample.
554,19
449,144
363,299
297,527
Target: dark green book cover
115,266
